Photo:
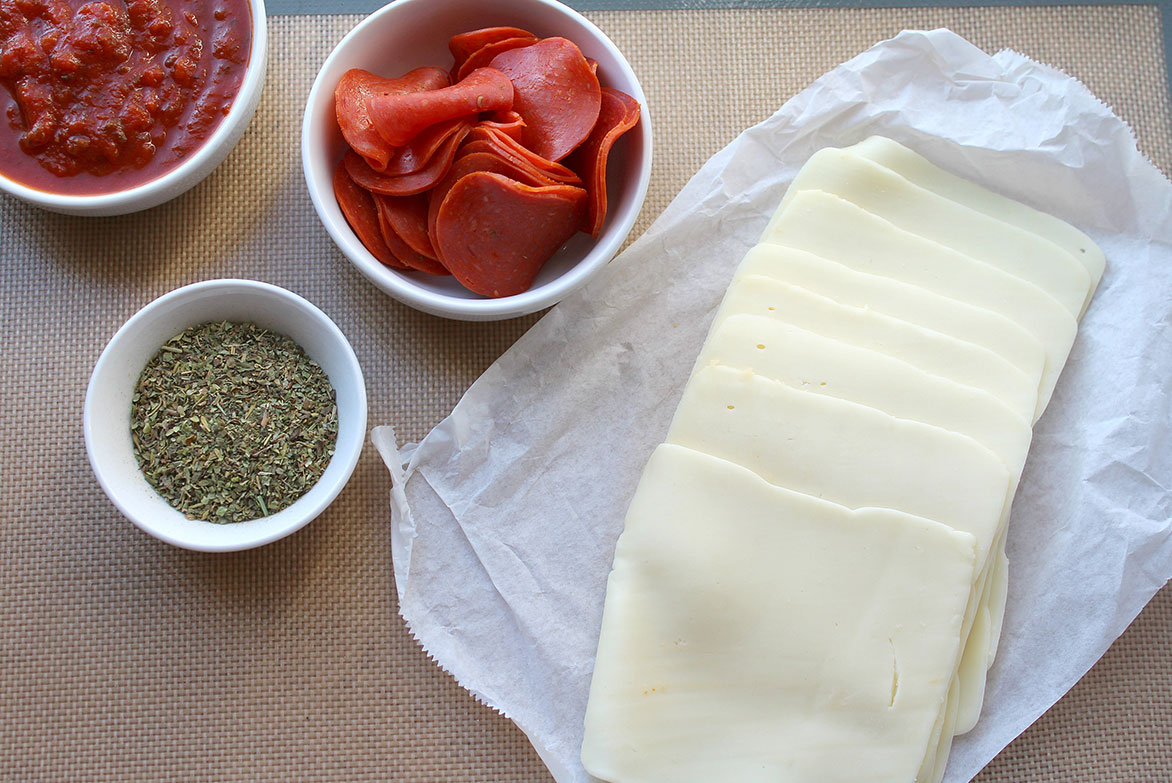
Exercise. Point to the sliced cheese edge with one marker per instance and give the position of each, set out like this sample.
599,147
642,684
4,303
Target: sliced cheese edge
926,174
931,351
793,439
910,303
813,220
886,194
805,360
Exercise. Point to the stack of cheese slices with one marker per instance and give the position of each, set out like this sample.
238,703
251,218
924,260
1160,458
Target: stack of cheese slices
811,580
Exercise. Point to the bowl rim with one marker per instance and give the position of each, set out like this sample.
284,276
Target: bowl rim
400,287
159,189
349,459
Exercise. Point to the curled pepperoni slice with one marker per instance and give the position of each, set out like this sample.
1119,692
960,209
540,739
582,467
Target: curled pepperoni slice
518,163
404,252
352,106
464,45
619,113
507,122
494,234
513,149
361,213
488,160
407,216
408,184
483,56
399,118
416,154
557,94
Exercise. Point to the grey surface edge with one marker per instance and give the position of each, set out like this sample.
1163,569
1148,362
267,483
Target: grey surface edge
311,7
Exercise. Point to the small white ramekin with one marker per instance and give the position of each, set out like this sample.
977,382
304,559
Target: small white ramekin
115,376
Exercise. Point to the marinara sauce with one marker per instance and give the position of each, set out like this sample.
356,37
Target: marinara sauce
103,95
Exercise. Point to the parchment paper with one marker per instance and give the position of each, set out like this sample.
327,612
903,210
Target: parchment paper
504,517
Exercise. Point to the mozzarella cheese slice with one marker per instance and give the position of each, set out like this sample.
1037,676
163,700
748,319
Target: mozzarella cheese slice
997,595
973,670
753,633
899,300
931,351
886,194
842,451
936,760
803,360
922,172
813,221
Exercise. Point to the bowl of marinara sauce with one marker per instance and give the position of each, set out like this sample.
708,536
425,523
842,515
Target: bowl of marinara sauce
114,106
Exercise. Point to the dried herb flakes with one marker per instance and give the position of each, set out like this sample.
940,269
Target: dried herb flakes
232,422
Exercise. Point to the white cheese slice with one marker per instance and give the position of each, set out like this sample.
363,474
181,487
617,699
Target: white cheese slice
996,596
916,305
752,633
814,221
931,351
936,760
922,172
813,363
803,360
973,668
843,452
967,695
849,454
884,193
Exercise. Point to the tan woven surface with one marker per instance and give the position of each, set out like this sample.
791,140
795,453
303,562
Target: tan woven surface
123,659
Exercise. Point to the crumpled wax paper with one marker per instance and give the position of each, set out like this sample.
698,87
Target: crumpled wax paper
506,514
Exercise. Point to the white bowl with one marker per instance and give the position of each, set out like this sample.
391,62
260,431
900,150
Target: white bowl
408,34
187,174
115,376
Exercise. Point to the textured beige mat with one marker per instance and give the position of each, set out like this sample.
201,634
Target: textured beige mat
123,659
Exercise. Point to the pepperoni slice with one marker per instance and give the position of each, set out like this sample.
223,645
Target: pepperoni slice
488,160
396,243
557,94
408,184
483,56
464,45
361,213
495,234
514,149
407,217
399,118
507,122
619,113
416,154
352,106
520,164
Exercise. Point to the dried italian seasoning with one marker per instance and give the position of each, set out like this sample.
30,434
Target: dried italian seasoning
232,422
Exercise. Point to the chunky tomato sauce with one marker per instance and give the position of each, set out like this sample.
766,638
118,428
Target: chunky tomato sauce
107,94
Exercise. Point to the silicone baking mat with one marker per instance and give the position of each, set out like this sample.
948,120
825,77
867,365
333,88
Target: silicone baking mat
124,659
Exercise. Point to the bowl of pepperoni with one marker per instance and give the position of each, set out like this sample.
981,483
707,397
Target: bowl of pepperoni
114,106
475,160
